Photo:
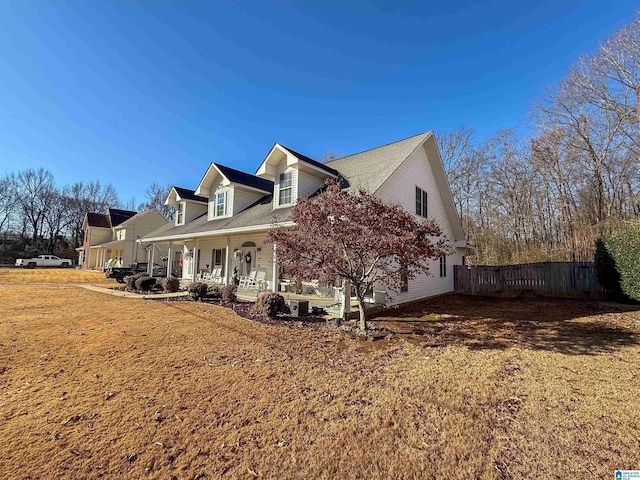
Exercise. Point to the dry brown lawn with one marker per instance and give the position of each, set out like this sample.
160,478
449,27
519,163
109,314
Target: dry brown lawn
95,386
19,276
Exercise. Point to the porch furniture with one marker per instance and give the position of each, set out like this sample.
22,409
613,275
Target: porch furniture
245,279
257,281
216,275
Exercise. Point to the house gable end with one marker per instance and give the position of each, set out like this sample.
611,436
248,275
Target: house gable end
423,169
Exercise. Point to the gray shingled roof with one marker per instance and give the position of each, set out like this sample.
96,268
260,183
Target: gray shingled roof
369,169
117,216
313,162
243,178
260,213
98,220
187,194
138,216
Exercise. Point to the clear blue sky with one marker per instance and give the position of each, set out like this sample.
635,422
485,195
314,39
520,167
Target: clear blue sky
135,92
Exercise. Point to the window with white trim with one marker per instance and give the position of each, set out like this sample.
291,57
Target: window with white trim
443,266
285,188
180,214
421,202
221,204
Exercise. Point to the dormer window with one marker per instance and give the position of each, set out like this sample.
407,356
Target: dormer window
285,187
221,204
180,214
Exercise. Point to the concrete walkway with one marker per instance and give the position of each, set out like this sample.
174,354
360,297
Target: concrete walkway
120,293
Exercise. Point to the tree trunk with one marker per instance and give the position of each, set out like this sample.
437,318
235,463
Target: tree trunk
363,319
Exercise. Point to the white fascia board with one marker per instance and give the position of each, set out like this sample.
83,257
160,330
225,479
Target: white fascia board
218,233
168,201
225,180
442,182
262,168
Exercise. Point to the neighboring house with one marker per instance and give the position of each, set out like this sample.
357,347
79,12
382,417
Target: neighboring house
110,239
223,222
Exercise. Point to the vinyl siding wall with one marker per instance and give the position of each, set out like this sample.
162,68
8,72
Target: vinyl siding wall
243,198
307,183
193,210
400,189
100,235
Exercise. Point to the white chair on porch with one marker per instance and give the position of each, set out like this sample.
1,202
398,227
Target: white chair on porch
258,281
216,275
247,279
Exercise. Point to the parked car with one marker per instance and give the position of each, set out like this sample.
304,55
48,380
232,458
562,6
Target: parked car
120,273
43,261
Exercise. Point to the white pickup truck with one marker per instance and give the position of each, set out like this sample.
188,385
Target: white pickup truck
43,261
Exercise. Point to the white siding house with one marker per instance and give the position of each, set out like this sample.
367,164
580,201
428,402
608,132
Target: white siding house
230,237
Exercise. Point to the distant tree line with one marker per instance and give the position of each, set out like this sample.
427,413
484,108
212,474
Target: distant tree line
551,194
37,216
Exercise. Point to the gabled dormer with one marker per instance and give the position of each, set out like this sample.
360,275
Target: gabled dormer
230,191
188,204
293,174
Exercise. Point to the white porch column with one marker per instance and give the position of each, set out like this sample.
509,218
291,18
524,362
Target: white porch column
148,262
345,307
169,259
195,259
227,263
274,282
103,257
152,256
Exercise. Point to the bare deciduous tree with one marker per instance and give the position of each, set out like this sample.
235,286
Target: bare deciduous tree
156,195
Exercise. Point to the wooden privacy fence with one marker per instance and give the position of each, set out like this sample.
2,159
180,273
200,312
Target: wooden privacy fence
553,279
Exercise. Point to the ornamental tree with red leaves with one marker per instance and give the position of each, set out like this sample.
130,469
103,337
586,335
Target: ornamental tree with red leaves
358,238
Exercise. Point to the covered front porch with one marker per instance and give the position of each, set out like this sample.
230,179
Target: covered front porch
248,262
241,259
108,255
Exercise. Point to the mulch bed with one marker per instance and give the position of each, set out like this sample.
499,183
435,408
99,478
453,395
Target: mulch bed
246,310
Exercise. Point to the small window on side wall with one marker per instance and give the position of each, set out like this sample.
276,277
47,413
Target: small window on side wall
443,266
404,281
421,202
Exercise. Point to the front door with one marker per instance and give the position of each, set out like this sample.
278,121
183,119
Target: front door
248,261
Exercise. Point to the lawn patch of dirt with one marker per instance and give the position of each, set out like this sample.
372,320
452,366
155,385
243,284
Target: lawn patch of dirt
97,386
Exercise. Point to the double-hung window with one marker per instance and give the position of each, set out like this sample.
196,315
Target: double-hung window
421,202
221,204
180,214
285,188
443,266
